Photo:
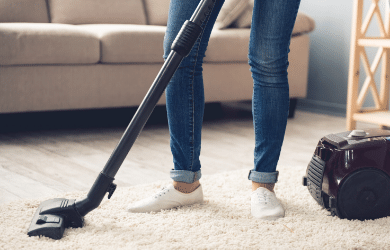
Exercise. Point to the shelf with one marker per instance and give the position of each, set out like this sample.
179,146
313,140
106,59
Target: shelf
360,39
379,117
374,42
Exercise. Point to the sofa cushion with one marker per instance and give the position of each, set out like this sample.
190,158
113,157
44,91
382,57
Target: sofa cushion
228,45
244,20
46,43
33,11
97,11
126,43
303,23
157,11
229,12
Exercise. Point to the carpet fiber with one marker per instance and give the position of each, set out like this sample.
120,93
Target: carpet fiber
223,221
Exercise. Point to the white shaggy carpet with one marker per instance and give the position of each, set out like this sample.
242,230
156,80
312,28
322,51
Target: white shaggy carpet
222,222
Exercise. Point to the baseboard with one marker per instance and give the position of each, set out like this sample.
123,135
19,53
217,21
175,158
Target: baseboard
322,107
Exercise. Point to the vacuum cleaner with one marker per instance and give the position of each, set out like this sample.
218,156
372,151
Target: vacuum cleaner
54,215
349,174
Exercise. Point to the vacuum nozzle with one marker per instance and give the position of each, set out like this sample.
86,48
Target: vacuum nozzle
53,216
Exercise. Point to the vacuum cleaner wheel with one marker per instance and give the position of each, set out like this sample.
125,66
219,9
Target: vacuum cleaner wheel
364,195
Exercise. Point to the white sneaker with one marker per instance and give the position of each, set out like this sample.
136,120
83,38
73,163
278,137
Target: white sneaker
166,198
265,205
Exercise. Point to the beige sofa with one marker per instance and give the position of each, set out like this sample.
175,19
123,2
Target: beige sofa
83,54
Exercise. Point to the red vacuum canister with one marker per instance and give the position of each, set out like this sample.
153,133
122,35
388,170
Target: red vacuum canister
349,174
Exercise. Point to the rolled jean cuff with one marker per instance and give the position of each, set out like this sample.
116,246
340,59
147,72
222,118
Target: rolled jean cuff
185,176
263,177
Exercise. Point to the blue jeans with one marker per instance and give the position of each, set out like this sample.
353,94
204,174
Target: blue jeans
272,25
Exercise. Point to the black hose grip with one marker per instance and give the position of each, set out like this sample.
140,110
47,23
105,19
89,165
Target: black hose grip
186,38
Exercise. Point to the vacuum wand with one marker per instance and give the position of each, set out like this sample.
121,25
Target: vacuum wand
53,216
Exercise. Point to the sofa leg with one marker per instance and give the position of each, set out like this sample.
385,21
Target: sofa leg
293,105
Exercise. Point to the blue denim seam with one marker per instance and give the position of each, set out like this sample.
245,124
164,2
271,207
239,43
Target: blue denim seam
192,108
198,44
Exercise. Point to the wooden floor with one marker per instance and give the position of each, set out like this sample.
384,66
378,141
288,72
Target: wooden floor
40,163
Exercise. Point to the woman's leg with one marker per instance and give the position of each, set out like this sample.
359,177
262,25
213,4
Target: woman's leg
185,104
272,25
185,94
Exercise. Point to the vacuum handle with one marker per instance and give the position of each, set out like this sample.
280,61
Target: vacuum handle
180,48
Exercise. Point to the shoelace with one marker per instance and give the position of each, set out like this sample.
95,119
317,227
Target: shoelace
161,192
263,197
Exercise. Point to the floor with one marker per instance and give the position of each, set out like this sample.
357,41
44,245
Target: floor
49,160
